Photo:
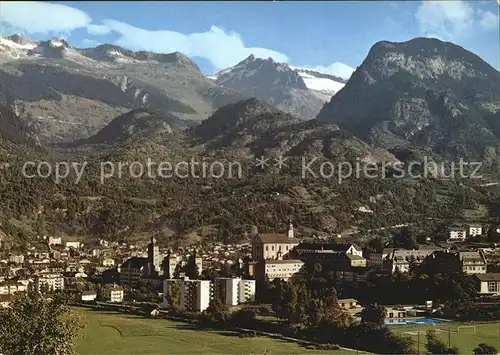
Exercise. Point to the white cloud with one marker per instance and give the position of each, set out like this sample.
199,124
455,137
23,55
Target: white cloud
40,17
488,20
222,48
446,19
338,69
453,20
98,29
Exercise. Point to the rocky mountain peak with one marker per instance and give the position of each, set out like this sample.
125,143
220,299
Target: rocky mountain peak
422,92
255,72
20,39
54,48
425,58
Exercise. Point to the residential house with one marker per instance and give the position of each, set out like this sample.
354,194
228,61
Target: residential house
347,303
402,259
54,241
73,245
488,284
88,296
108,262
475,229
473,262
113,293
457,233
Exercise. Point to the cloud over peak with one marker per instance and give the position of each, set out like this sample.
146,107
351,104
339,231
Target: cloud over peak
453,20
222,48
39,17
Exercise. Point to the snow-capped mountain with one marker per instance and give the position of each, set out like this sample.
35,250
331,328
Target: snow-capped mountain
320,82
299,91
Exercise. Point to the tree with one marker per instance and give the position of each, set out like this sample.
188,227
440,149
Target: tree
374,313
34,325
191,269
485,349
437,346
404,239
173,296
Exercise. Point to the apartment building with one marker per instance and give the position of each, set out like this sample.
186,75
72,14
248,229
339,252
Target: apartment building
247,289
234,291
50,281
227,290
195,295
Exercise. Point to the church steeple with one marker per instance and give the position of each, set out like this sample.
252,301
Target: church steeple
290,230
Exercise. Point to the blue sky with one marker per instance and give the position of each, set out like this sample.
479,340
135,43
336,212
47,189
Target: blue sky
331,36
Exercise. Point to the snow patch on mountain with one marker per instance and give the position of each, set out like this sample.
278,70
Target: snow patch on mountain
321,82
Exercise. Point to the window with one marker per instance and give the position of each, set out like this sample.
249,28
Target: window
272,248
267,247
287,247
492,286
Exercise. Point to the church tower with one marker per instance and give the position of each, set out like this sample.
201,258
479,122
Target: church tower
154,259
290,231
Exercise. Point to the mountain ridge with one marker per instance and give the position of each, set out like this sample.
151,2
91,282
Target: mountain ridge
422,93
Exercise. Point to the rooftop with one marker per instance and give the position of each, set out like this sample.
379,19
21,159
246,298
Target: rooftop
275,238
285,261
494,276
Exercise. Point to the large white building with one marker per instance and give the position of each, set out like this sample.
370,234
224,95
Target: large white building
247,289
194,295
234,291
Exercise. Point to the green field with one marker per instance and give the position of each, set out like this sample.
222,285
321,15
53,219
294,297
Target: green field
465,339
114,333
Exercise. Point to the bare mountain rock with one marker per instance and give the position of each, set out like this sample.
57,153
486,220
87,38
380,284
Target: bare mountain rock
423,93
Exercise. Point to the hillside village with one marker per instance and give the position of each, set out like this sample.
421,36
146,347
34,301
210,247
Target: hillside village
114,272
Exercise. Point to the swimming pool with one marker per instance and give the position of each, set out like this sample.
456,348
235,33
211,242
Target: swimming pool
413,321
